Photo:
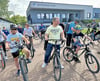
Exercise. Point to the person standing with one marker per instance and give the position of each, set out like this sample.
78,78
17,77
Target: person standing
70,31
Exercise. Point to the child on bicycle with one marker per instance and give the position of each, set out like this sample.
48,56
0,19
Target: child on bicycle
76,39
13,39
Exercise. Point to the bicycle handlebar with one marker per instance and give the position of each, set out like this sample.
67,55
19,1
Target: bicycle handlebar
87,44
56,40
20,46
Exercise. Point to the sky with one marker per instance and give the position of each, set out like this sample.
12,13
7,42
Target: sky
20,6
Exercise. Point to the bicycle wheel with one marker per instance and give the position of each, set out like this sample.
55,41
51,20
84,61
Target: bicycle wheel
57,68
24,69
3,61
62,44
68,54
92,63
32,50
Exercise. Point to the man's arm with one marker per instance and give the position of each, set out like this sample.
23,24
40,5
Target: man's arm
33,32
46,36
25,40
4,35
88,38
73,29
7,45
24,32
62,36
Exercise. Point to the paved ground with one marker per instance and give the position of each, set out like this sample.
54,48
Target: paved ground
71,72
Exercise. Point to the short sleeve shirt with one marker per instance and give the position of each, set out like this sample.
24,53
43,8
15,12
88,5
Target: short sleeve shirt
28,31
54,32
72,25
1,36
14,40
78,36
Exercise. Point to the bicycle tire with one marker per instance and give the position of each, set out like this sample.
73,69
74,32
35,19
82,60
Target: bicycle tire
24,69
69,55
3,61
89,57
57,66
32,50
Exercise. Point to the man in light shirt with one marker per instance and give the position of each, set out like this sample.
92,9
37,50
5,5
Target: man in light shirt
54,31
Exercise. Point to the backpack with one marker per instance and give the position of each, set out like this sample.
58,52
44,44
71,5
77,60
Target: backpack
67,27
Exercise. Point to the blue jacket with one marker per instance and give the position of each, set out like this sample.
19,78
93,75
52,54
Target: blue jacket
6,32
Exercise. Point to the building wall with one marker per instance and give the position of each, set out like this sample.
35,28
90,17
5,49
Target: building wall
4,24
36,8
96,13
60,13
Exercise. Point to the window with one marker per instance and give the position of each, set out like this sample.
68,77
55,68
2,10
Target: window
63,16
58,15
47,16
89,15
42,15
76,15
38,16
55,15
97,15
51,15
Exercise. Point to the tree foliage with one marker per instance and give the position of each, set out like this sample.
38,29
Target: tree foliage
4,9
17,19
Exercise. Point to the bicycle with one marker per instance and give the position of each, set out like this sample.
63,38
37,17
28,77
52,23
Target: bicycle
30,46
22,62
91,34
56,61
39,38
68,54
62,44
2,59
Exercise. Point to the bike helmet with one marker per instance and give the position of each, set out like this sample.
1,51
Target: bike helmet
12,26
78,27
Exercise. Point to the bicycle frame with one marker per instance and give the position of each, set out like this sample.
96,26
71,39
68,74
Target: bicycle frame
86,49
55,50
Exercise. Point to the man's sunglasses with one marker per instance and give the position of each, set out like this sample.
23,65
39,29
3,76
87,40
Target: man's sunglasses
13,29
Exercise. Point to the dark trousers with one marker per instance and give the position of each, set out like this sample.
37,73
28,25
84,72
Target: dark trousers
97,33
69,39
49,50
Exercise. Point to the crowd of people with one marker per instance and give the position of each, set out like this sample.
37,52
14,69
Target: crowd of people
70,32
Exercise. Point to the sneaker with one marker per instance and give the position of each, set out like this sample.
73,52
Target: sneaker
62,67
28,60
18,73
6,57
44,65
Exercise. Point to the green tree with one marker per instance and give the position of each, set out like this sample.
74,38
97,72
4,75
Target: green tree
4,9
17,19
